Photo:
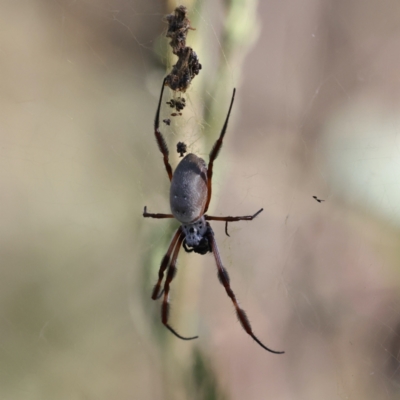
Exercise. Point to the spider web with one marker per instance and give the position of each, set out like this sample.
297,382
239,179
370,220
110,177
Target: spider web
315,115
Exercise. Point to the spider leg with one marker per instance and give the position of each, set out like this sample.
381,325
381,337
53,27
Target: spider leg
150,215
165,304
214,152
232,219
224,279
162,145
164,264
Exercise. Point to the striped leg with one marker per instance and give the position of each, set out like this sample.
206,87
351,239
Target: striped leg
158,215
164,264
224,279
165,304
162,145
232,219
214,153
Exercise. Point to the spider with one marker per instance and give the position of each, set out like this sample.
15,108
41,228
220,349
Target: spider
190,196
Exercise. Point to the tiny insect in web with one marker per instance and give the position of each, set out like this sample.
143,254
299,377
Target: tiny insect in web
190,196
319,200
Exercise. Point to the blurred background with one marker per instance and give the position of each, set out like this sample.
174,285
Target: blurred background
316,114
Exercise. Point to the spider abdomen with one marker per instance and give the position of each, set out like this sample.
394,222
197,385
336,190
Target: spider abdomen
188,194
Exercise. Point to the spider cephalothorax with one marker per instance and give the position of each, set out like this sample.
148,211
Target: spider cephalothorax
196,237
190,196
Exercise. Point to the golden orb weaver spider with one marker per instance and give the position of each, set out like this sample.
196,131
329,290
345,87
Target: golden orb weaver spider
190,196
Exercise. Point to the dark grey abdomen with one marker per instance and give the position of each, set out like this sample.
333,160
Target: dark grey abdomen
188,194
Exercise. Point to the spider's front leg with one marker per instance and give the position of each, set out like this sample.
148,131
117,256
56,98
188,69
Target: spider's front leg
232,219
162,145
214,153
158,215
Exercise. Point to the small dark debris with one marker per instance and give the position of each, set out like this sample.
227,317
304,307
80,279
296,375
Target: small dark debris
183,72
181,148
167,121
179,103
188,65
178,27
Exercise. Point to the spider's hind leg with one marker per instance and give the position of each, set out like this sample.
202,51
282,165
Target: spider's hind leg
165,304
164,264
225,281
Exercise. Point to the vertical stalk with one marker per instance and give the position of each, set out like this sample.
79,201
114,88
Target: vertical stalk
209,96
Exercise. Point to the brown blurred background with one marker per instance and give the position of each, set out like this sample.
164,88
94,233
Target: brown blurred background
316,114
